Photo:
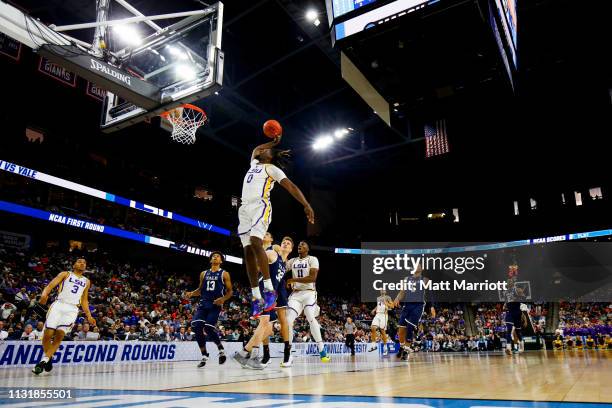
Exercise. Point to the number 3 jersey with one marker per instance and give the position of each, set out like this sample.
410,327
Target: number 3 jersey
72,288
300,268
212,287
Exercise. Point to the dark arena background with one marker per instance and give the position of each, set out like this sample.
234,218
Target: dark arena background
417,127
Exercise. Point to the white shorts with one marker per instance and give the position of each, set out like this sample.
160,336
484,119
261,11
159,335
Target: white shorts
301,299
61,316
380,321
254,219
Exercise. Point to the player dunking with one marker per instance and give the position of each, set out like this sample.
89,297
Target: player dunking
304,270
383,304
277,258
215,289
255,215
73,291
414,306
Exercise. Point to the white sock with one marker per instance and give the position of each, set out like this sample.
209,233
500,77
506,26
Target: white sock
268,285
244,353
256,293
254,353
321,347
315,330
45,359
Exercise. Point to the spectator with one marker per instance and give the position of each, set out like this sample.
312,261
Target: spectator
82,333
28,334
181,335
7,310
22,299
93,335
38,333
131,334
3,333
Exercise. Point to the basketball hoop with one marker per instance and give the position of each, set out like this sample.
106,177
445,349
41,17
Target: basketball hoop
185,121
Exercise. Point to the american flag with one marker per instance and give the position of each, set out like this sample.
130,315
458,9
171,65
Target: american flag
436,140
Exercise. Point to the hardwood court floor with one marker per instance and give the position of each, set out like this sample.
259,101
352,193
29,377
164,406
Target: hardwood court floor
438,380
584,376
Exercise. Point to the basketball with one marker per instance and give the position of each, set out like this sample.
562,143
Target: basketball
272,128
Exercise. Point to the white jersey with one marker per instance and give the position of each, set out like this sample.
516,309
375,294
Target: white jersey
381,306
259,181
72,289
300,268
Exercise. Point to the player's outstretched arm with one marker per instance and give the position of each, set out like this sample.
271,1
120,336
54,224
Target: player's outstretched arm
299,196
390,303
229,290
398,298
52,285
272,254
197,291
265,146
85,305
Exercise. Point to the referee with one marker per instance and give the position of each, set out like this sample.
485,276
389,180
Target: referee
349,331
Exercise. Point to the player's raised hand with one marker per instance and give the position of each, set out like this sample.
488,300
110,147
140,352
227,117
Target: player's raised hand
309,214
91,320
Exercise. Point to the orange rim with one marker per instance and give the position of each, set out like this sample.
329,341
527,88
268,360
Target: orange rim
188,106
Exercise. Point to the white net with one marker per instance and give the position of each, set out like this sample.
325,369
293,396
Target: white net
185,122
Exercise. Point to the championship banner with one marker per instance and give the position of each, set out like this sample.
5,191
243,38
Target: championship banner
56,72
9,47
14,240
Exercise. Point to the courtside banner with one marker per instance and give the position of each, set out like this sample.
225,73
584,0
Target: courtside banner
28,353
56,181
105,229
307,349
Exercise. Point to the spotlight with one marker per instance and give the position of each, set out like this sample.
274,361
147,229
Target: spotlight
323,142
127,34
311,15
340,133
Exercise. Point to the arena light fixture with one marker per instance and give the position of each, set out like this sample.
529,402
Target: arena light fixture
311,15
323,142
340,133
128,34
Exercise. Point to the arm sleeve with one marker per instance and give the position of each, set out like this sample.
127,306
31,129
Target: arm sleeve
276,173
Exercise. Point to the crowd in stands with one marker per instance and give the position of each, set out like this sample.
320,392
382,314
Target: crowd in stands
143,302
584,325
139,302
